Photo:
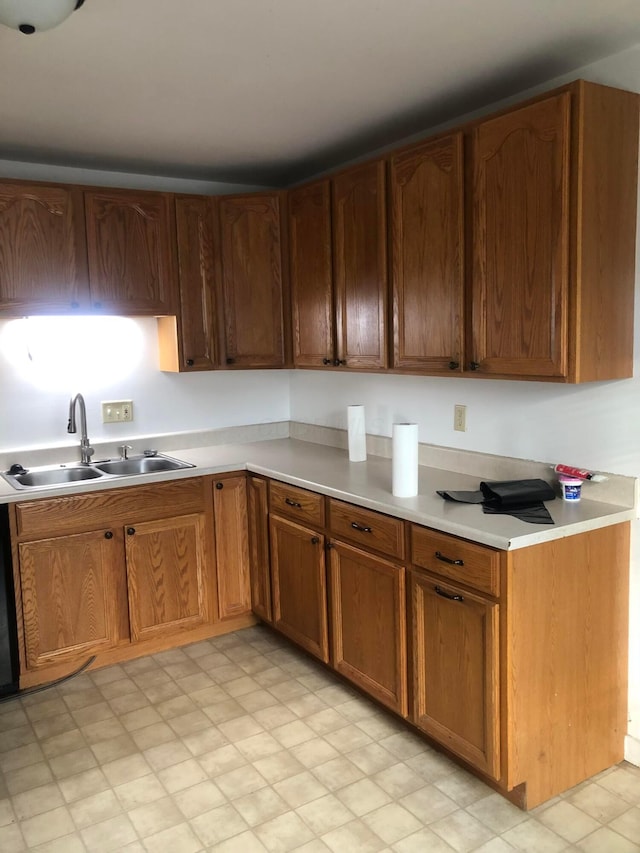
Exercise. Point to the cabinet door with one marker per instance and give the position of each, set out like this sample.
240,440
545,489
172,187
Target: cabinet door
299,585
368,623
427,251
166,574
360,265
43,259
232,546
195,227
311,275
260,575
70,596
252,280
455,669
131,247
521,241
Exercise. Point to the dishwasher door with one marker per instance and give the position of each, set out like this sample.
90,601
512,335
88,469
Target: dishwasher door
9,669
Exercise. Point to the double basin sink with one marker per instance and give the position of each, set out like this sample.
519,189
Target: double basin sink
75,472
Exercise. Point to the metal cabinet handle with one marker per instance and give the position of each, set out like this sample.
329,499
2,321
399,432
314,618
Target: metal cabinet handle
326,361
190,362
108,535
474,365
289,502
340,362
451,562
219,485
448,595
314,540
359,527
454,365
130,531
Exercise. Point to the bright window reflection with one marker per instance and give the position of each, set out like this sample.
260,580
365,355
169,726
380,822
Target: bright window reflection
58,353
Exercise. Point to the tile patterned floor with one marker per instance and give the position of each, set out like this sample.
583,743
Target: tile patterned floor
243,744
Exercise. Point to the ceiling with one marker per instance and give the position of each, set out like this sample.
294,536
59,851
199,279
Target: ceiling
271,91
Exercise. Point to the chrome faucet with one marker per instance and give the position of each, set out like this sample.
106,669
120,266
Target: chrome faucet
86,451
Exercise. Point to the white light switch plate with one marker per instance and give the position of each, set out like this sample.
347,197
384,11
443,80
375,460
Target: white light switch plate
117,411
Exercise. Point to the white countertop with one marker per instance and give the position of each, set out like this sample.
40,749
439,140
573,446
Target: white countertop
327,470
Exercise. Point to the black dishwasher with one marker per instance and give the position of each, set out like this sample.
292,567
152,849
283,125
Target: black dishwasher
8,628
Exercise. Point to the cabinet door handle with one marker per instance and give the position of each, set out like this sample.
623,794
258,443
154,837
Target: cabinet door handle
340,362
219,485
190,362
230,360
474,365
448,595
108,535
451,562
454,365
359,527
314,540
289,502
130,531
326,361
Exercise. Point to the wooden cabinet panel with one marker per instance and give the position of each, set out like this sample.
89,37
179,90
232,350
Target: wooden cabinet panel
260,575
456,669
367,528
232,546
360,265
166,574
252,280
298,504
188,342
43,260
131,245
427,254
456,559
299,585
521,221
368,623
310,269
70,596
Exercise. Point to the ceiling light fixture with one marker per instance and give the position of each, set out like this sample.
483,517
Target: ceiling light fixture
31,16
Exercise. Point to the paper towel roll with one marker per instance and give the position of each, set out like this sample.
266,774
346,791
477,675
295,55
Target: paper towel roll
404,452
357,434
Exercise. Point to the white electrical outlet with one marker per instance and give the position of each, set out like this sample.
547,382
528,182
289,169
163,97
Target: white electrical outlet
117,411
460,418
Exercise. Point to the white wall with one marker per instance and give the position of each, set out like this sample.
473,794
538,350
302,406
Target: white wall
595,426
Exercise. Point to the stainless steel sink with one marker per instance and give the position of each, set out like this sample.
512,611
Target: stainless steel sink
52,476
141,465
58,475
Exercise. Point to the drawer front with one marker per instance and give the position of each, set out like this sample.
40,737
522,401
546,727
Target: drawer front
91,510
297,504
367,528
474,565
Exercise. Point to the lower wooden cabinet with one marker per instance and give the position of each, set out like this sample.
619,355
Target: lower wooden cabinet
368,623
232,545
71,586
299,585
166,568
258,519
454,641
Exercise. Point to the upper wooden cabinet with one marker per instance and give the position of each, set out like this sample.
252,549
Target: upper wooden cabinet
252,284
426,200
553,237
360,265
131,250
43,260
310,269
338,266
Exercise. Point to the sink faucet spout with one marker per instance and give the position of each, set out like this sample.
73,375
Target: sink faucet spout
86,451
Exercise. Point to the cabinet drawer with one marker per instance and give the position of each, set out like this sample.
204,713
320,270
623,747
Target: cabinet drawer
471,564
367,528
298,504
75,513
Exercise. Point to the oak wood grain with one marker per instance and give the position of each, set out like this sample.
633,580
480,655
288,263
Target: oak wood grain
259,570
474,565
232,545
367,528
298,504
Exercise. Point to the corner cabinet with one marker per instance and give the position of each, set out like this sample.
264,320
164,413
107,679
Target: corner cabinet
253,284
131,251
43,256
553,205
426,199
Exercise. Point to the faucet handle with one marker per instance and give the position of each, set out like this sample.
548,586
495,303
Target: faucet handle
124,450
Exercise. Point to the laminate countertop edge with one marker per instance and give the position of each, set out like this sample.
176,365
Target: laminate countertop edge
327,470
